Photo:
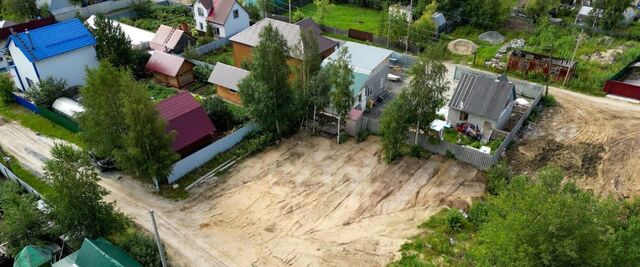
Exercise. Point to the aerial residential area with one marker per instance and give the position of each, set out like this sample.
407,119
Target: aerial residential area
319,133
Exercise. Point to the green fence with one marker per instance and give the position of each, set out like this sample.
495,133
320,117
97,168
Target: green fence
59,119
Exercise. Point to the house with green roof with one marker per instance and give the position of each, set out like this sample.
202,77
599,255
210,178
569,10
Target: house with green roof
98,253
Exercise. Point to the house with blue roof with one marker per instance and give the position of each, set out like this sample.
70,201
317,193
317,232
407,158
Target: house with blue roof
370,66
63,51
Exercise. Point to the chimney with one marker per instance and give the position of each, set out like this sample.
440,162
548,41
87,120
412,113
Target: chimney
29,37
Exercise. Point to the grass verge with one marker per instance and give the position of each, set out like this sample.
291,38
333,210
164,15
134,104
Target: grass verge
25,175
345,16
37,123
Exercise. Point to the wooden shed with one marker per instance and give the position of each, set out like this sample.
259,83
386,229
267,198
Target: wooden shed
226,79
170,70
557,68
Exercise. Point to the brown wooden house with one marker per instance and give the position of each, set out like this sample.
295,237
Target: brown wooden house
244,41
525,62
226,79
170,70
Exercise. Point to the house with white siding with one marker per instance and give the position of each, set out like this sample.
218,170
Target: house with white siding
226,17
63,51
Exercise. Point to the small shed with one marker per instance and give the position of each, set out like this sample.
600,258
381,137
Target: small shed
557,68
98,252
171,70
170,40
226,79
189,121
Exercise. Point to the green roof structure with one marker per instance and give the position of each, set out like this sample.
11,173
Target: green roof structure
32,256
98,253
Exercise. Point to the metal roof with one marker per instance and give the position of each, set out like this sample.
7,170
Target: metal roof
98,252
187,118
218,10
482,96
364,58
139,38
67,107
166,64
166,38
53,40
227,76
308,23
291,33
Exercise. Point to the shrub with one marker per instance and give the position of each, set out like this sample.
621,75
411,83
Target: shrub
224,115
47,91
362,135
140,246
450,155
6,89
142,8
137,62
202,73
548,100
455,220
297,16
344,137
497,177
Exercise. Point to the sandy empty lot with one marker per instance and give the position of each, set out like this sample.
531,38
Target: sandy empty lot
310,202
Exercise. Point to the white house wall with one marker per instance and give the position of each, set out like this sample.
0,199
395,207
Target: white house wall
201,21
70,66
378,79
454,118
23,68
233,26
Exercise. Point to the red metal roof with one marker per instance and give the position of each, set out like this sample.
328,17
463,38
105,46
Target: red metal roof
164,63
187,118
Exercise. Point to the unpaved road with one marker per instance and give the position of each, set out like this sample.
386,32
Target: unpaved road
591,125
304,202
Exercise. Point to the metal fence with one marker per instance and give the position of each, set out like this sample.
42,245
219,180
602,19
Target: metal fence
11,176
48,114
195,160
473,156
212,46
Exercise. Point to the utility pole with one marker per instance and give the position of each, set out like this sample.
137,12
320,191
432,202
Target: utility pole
409,24
155,229
573,58
289,11
549,59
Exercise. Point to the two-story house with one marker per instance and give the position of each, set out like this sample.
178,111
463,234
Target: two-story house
63,51
225,17
370,66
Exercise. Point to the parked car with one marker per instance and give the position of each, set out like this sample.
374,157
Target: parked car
103,164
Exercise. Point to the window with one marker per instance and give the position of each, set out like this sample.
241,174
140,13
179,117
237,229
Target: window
217,31
368,91
236,14
200,12
201,27
464,116
29,83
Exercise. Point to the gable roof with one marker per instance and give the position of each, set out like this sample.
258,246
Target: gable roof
291,33
218,10
227,76
308,23
98,252
166,38
364,58
166,64
53,40
187,118
482,96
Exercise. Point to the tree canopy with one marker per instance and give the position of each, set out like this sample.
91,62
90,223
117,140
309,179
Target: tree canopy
74,180
265,92
394,125
342,98
48,90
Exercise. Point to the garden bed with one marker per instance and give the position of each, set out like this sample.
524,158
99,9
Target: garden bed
171,15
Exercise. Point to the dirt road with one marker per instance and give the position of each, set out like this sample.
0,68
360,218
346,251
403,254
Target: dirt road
32,151
599,138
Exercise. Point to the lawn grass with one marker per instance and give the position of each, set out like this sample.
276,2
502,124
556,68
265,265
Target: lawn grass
159,92
222,55
171,16
590,75
25,175
38,123
345,16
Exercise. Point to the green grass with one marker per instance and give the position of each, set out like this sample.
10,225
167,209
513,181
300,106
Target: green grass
171,16
38,123
345,16
25,175
223,55
158,92
590,75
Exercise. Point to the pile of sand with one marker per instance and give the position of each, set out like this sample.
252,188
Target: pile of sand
462,47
